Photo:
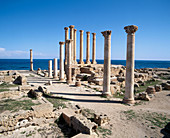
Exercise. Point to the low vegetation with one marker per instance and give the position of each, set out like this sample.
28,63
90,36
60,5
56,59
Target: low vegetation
104,132
147,83
14,105
7,85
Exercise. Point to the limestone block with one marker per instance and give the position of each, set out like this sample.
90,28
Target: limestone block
167,86
101,119
8,79
44,90
150,90
21,80
78,83
38,71
42,109
35,93
143,96
86,70
158,88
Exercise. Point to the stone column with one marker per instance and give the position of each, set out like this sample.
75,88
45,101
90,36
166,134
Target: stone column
50,68
69,69
31,61
66,37
81,47
62,61
107,62
55,76
74,52
88,48
94,49
129,81
71,37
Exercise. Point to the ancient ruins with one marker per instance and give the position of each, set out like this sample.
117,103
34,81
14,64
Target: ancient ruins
61,97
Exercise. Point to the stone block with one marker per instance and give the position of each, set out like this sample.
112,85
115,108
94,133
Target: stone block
8,79
21,80
158,88
150,90
101,119
143,96
44,90
167,86
35,94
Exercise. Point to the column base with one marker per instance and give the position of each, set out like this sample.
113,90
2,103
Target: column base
81,62
69,82
75,62
61,79
88,62
94,62
128,101
106,94
50,76
55,78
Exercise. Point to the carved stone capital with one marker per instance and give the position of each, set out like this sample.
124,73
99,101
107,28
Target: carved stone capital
61,43
87,32
69,40
71,26
30,49
106,33
131,29
65,28
75,30
81,31
94,34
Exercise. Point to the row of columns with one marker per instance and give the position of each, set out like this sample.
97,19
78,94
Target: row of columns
73,33
69,51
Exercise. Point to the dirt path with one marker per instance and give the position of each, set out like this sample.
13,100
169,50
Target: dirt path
137,127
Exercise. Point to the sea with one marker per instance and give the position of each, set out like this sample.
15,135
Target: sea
24,64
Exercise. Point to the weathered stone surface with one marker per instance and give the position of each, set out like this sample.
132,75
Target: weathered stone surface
167,86
44,90
150,90
8,79
101,119
158,88
78,83
143,96
35,93
21,80
87,70
42,109
38,71
80,135
9,94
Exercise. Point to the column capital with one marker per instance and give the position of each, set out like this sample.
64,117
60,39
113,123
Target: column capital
69,40
131,29
93,33
66,28
71,26
106,33
81,31
75,30
30,49
87,32
61,43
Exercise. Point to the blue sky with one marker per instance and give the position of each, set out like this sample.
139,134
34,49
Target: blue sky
39,24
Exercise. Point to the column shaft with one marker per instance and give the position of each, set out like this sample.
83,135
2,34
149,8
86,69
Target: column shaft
107,62
62,61
129,81
74,52
31,60
55,68
66,37
94,49
88,48
69,63
50,68
71,37
81,47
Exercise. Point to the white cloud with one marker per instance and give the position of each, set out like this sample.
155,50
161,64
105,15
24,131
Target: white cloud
17,54
2,49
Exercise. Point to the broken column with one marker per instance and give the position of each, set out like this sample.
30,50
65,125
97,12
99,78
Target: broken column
81,47
94,49
107,62
55,68
71,37
74,52
69,70
88,48
50,68
66,37
129,81
31,61
62,61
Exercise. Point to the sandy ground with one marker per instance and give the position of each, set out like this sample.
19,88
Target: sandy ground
120,126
